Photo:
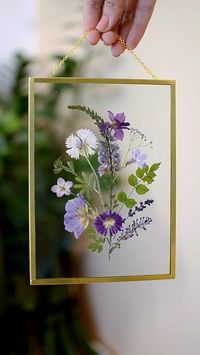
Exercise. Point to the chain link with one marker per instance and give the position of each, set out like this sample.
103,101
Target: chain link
120,39
137,58
69,53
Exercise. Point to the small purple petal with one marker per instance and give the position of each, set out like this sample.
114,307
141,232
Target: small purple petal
68,184
60,181
120,117
119,134
138,157
143,156
125,125
54,188
111,115
60,193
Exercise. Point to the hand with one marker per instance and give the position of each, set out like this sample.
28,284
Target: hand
127,18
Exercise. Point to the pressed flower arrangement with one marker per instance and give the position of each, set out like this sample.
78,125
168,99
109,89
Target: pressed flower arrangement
108,219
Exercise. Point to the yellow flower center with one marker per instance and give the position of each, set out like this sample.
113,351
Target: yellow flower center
109,222
83,215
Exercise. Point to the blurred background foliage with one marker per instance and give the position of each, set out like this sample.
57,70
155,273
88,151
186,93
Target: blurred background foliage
35,320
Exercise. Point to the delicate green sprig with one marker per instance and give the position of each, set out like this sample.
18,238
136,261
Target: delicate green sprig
96,243
59,166
145,175
98,119
85,184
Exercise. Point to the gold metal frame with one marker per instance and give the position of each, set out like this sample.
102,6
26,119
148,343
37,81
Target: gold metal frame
32,235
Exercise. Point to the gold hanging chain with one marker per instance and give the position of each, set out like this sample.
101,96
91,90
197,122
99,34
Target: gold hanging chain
120,39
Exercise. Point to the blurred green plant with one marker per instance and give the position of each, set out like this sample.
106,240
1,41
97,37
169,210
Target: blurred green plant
34,320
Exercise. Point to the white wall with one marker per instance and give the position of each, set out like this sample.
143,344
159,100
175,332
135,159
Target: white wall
17,28
156,318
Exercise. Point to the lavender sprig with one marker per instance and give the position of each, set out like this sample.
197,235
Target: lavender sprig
140,207
109,159
132,229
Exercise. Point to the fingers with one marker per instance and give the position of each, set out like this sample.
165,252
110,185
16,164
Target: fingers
125,26
92,10
109,37
112,12
128,18
143,14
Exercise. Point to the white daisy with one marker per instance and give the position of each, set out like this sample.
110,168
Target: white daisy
62,188
83,143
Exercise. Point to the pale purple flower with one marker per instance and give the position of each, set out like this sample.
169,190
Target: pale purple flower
108,223
76,218
118,124
138,157
103,169
62,188
83,143
107,156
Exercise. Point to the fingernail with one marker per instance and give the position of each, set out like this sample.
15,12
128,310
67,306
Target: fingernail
103,23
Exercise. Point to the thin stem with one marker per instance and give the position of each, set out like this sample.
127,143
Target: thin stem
112,171
129,148
124,202
115,178
115,245
96,178
130,194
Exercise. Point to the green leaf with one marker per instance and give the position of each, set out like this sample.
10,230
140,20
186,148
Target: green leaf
83,191
130,202
79,186
148,179
91,179
155,167
140,173
93,246
141,189
78,179
91,232
151,174
58,166
100,248
146,168
85,176
122,196
71,165
132,180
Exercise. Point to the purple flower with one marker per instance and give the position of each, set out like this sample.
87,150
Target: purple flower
118,124
103,169
138,157
108,223
62,188
108,156
104,126
76,218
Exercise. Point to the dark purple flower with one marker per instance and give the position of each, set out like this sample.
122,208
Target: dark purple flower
118,124
76,218
104,126
108,223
